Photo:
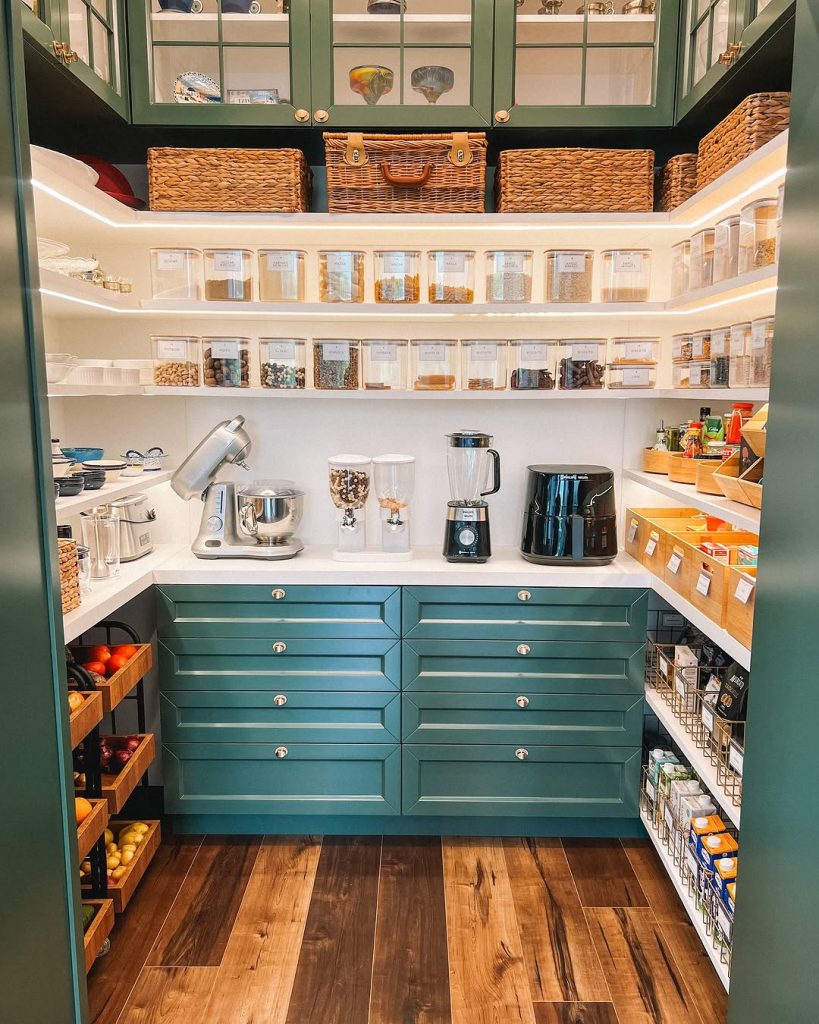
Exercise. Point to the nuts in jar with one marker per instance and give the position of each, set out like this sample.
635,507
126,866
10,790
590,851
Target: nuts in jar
176,361
281,363
335,364
226,362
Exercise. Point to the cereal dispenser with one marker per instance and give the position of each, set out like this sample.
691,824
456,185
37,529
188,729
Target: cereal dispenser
394,478
349,489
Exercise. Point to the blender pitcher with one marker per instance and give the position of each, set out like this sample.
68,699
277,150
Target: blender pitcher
100,534
470,462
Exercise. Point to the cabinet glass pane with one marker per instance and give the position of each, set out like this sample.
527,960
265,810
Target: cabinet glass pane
709,24
760,6
91,29
550,77
719,29
101,47
257,74
78,29
619,76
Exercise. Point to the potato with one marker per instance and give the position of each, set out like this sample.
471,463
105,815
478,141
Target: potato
130,838
85,866
109,836
117,873
111,848
127,856
128,847
113,860
140,826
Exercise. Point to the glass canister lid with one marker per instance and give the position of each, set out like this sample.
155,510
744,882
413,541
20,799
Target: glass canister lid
386,460
469,439
345,459
271,489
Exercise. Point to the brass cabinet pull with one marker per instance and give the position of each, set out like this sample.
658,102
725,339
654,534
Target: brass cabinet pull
278,594
302,115
70,56
280,700
729,56
521,753
281,752
279,647
522,702
501,116
321,116
524,595
524,649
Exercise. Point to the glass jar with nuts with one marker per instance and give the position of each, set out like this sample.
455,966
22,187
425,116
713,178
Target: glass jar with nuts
281,363
336,364
176,361
757,235
226,362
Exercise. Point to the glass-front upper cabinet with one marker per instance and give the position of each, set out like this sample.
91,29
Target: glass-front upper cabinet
220,61
402,63
567,63
41,21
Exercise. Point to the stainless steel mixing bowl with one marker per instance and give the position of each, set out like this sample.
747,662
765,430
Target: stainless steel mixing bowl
270,511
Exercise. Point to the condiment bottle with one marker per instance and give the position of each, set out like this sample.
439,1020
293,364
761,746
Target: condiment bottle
740,412
692,442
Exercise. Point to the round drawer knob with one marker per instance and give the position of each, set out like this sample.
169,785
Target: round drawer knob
281,752
280,700
278,594
524,595
522,702
501,116
524,649
521,753
321,116
279,647
302,115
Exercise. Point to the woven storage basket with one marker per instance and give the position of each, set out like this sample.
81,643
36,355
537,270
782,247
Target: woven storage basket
405,173
69,574
575,181
758,119
229,180
678,181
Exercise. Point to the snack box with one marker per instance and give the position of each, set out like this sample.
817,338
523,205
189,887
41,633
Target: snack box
730,897
714,847
697,805
719,552
747,554
678,789
711,824
725,871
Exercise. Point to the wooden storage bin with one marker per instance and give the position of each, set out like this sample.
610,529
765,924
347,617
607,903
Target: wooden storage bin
751,489
654,461
98,931
117,788
575,181
705,482
87,715
727,479
758,119
739,614
696,562
678,181
441,173
641,522
120,684
682,470
92,828
69,575
755,432
123,890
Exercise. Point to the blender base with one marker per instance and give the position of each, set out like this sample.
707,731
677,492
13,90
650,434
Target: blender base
372,556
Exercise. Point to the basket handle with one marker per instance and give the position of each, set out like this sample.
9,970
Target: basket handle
406,180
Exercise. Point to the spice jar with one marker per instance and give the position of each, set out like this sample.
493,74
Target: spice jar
700,346
226,362
281,275
682,348
582,365
509,276
341,276
282,363
385,364
176,274
762,333
176,361
483,365
740,341
397,277
701,274
434,364
634,351
757,235
699,374
680,264
720,357
569,275
627,376
626,275
228,275
726,249
451,276
335,364
533,365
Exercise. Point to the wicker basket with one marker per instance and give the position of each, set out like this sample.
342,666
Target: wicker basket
69,574
229,180
575,181
405,173
758,119
678,181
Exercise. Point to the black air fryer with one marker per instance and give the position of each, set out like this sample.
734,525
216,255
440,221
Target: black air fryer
570,516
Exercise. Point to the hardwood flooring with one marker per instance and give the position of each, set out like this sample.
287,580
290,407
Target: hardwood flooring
300,930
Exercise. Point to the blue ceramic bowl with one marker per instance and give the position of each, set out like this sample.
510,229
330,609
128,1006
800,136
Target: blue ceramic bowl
83,454
182,6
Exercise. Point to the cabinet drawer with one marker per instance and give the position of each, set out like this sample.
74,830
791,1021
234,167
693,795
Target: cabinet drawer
312,778
274,611
286,717
554,719
593,782
495,666
206,663
506,613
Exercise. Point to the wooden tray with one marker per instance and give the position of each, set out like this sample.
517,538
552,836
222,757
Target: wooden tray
696,563
98,931
643,523
705,482
123,890
682,470
93,827
120,684
748,482
89,714
117,788
739,614
727,478
655,462
755,432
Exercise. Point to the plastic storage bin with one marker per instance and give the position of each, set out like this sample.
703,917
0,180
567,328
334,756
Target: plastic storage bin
682,348
582,364
228,275
532,365
341,276
762,334
483,365
397,276
720,357
282,363
175,361
681,375
451,276
569,275
701,274
700,346
623,376
699,374
680,266
385,364
176,274
281,275
434,364
634,351
757,235
626,275
726,249
740,351
509,276
336,364
226,362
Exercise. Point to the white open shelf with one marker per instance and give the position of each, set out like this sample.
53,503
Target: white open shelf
734,288
125,485
720,636
574,19
743,516
204,16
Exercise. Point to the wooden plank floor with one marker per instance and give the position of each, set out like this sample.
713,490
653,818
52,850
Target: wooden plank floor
300,930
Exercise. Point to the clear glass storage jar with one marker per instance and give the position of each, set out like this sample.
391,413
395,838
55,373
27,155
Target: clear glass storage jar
699,374
680,375
434,364
532,365
762,335
757,235
682,348
336,364
720,357
582,365
176,274
700,346
569,275
483,365
281,275
385,364
780,203
740,351
228,275
509,276
680,266
626,275
726,249
175,361
282,363
341,276
621,375
634,351
701,274
451,276
397,276
226,362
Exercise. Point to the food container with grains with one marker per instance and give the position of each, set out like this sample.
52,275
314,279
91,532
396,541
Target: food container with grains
349,478
451,276
341,276
634,351
397,276
628,376
176,361
699,375
385,364
509,276
701,274
681,375
682,348
483,365
226,362
700,346
434,364
726,248
720,357
281,275
335,364
626,275
228,275
176,274
680,265
532,365
762,336
740,351
757,235
569,275
282,363
582,364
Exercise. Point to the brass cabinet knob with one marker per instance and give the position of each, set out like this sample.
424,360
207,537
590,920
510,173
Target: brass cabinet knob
302,115
280,700
729,56
321,116
281,752
279,647
524,595
501,116
522,702
524,649
521,753
278,594
70,56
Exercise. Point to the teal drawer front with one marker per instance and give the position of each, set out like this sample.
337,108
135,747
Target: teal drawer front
597,782
289,716
519,720
248,778
495,666
277,612
497,613
208,663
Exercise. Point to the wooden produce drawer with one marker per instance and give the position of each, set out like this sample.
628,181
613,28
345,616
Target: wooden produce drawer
210,663
88,715
495,666
92,828
595,782
467,613
122,891
120,684
522,719
117,788
642,522
741,597
98,931
279,611
692,565
289,716
304,778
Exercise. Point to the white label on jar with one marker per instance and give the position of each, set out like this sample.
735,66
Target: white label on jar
736,758
452,263
676,348
718,343
172,348
532,352
707,716
281,262
339,262
281,350
335,351
725,922
628,262
584,352
483,353
737,341
703,583
384,352
394,262
571,262
510,262
651,546
224,349
632,530
168,259
694,376
699,346
636,377
227,262
432,353
759,334
744,590
674,563
638,350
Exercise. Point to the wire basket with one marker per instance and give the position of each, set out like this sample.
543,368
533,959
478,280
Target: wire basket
151,461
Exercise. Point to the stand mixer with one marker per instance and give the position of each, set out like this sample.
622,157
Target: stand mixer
269,511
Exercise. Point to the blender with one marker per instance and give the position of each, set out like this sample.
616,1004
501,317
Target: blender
394,478
470,458
349,490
